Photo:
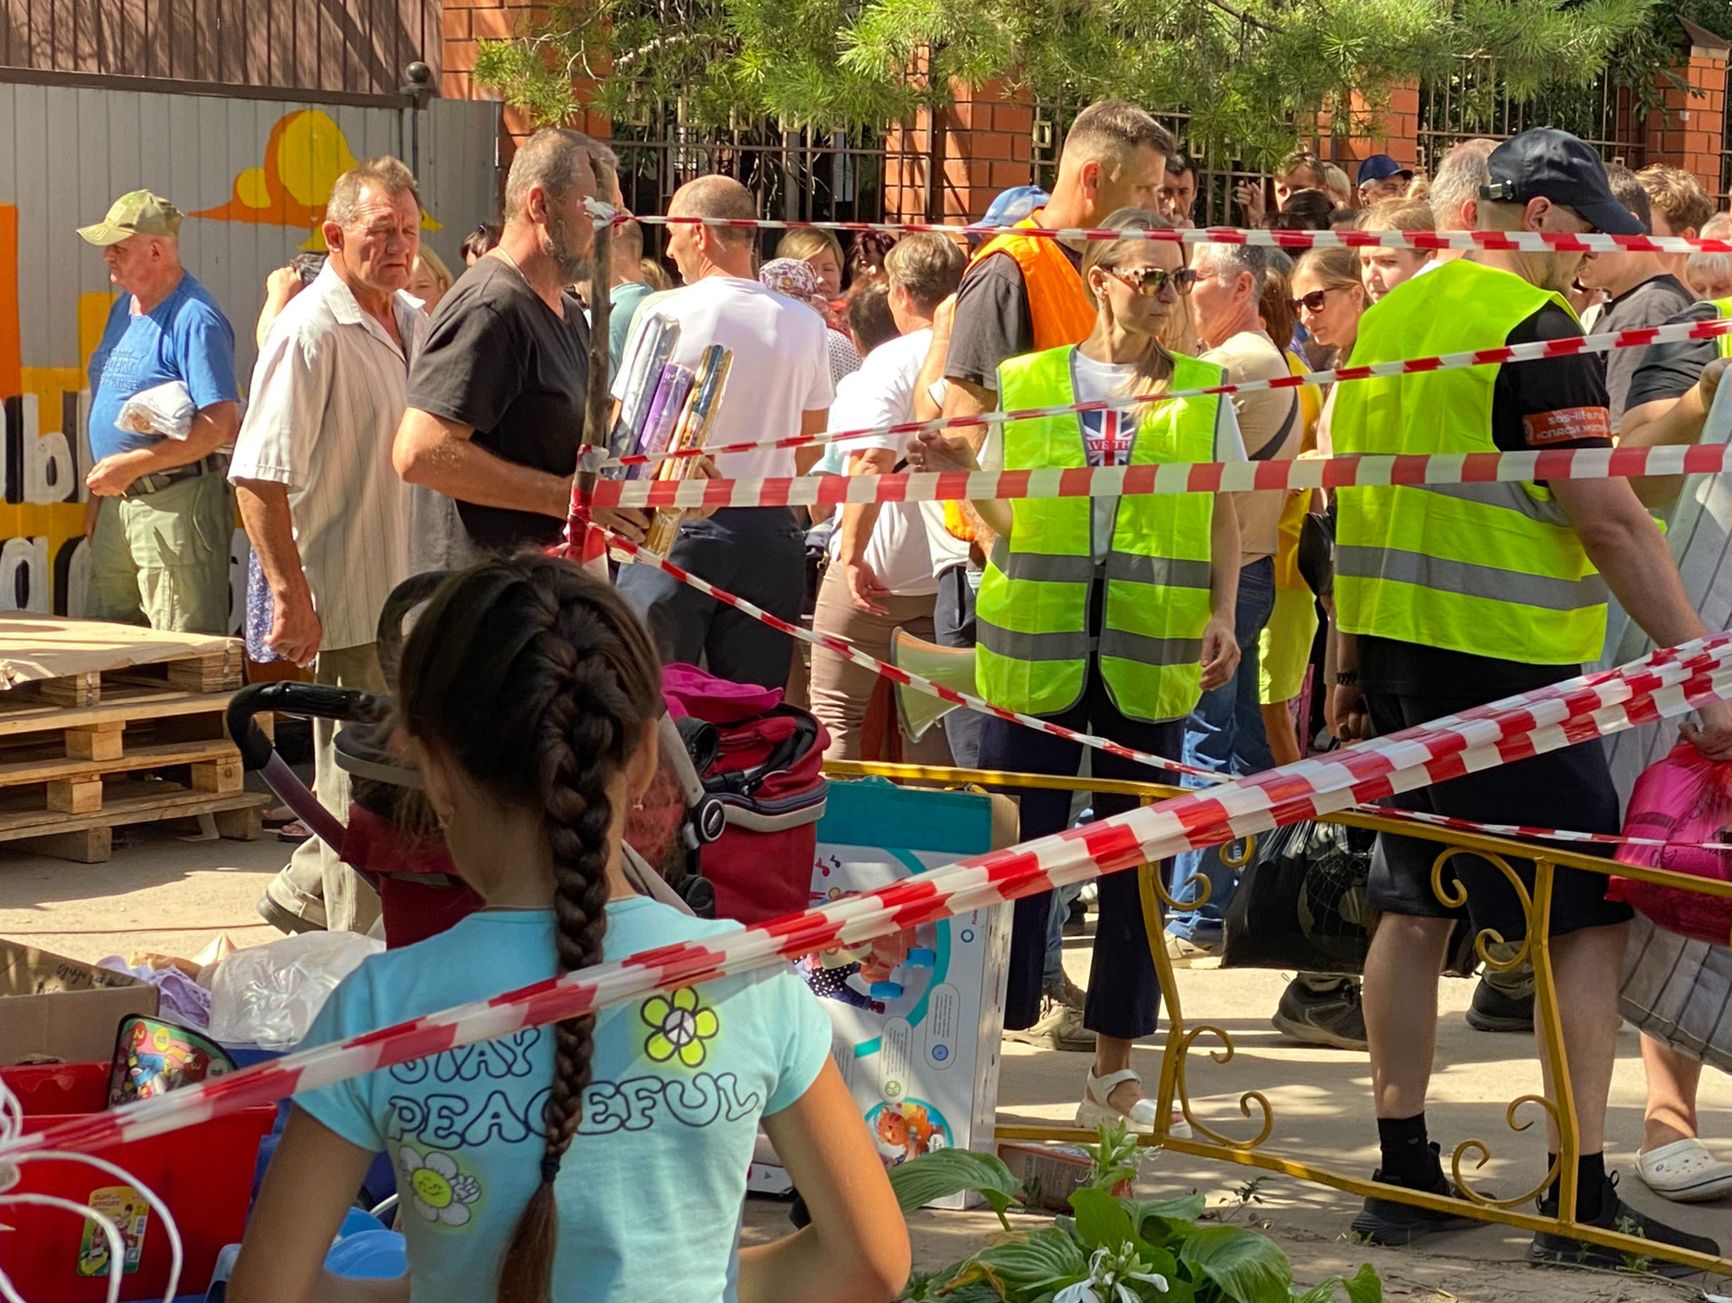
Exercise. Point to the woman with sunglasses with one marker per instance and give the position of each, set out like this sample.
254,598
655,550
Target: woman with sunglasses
1329,297
1107,615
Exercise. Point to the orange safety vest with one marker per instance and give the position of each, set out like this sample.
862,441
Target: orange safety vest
1058,308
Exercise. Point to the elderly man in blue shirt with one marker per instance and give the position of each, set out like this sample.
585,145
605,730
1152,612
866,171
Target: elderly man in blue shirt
160,515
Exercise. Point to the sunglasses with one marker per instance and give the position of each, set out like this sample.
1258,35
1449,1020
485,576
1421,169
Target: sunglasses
1150,281
1314,301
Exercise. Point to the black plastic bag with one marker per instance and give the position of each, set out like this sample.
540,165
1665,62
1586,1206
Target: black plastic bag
1301,902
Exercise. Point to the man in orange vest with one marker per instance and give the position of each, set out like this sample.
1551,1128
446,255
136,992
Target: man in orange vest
1023,293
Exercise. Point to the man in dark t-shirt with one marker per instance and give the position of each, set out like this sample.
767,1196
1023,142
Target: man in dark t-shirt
496,397
1642,291
1473,591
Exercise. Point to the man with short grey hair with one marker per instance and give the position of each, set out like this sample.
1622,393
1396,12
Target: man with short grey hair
312,472
1454,194
496,398
160,517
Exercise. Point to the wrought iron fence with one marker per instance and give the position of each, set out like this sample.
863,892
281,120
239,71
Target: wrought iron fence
1472,101
793,175
1217,177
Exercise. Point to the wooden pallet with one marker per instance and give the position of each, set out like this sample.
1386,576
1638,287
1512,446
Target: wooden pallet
132,732
218,669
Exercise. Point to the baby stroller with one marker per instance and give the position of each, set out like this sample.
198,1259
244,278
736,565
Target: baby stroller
729,828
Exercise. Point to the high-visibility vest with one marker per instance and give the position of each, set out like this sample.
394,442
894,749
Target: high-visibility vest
1032,614
1724,343
1492,570
1298,502
1058,307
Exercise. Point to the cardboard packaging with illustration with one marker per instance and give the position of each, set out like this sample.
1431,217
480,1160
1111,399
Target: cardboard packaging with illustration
917,1015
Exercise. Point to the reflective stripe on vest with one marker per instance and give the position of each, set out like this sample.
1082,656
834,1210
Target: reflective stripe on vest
1723,309
1487,569
1032,613
1059,310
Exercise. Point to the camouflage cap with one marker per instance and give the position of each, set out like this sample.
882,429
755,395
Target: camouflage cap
137,213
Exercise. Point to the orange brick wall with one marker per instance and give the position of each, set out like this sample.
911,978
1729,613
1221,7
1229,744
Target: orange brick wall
987,145
463,23
1689,128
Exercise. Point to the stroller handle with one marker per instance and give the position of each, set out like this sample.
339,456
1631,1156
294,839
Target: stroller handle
313,700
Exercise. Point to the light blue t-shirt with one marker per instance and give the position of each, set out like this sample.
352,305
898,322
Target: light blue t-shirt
185,338
651,1189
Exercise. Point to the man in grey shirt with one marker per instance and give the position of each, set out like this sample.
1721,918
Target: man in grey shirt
1641,290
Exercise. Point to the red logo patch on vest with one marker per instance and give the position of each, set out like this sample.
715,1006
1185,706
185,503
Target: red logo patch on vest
1543,429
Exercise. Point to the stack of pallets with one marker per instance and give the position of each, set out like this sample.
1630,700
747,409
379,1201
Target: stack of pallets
130,730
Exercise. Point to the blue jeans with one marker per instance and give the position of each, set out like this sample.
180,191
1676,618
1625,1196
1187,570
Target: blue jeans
1061,900
1225,735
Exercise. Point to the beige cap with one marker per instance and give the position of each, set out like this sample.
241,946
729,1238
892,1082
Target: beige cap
137,213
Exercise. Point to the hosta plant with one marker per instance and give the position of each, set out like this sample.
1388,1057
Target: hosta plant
1111,1249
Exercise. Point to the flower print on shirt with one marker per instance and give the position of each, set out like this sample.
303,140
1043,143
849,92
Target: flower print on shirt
438,1189
681,1027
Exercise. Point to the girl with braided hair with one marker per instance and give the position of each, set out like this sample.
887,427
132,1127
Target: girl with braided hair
603,1158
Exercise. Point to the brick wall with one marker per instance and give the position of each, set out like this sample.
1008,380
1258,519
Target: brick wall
1688,130
465,23
1392,128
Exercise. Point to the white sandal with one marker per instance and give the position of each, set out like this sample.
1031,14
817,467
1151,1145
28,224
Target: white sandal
1685,1171
1096,1107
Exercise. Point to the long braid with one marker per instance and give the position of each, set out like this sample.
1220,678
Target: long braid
575,683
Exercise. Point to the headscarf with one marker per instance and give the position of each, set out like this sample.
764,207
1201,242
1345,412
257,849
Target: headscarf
795,278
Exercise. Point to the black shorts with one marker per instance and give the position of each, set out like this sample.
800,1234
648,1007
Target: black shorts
1569,788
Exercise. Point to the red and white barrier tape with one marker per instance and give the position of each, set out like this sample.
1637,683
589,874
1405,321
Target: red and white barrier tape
1663,684
1495,241
896,674
1360,470
1641,337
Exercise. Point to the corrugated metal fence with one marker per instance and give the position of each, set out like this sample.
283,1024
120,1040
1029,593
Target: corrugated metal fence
253,175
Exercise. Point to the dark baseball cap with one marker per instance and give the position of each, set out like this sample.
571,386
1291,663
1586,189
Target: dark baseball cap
1552,164
1380,166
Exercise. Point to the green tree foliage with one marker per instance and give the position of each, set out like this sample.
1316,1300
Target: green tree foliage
1241,68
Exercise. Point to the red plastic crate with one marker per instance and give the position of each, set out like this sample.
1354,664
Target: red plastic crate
203,1173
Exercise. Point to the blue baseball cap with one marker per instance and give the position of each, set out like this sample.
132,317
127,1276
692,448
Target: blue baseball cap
1379,167
1014,204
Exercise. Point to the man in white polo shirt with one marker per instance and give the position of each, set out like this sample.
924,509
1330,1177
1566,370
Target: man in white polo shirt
779,386
323,508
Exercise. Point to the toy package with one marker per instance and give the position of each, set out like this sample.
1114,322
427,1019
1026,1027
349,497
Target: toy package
918,1014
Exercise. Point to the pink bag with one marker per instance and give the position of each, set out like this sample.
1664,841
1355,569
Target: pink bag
1682,799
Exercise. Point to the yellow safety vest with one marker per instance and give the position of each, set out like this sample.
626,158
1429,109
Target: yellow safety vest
1492,570
1033,610
1724,342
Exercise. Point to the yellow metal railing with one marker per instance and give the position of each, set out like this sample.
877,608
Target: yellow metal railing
1173,1090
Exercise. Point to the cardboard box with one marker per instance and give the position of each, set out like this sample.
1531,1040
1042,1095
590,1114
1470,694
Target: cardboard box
52,1007
1050,1174
917,1016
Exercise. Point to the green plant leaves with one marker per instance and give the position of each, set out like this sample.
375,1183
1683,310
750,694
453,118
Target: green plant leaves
945,1172
1102,1221
1248,1267
1362,1287
1039,1258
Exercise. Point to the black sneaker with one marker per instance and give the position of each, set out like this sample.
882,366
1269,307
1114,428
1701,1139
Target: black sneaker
1392,1223
1616,1215
1331,1017
1493,1011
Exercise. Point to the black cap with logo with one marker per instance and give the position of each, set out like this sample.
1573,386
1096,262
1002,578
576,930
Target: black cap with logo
1552,164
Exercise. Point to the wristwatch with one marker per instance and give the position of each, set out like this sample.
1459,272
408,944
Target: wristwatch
1346,678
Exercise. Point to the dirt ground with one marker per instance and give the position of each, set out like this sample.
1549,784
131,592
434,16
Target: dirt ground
163,894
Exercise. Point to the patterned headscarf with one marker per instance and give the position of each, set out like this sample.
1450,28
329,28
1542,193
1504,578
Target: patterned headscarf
795,278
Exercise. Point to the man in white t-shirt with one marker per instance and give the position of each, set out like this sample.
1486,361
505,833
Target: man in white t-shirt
779,386
885,574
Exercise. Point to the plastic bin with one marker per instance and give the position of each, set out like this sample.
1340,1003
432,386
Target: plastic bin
203,1173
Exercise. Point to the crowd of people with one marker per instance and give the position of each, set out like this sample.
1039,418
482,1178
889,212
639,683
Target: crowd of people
399,421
